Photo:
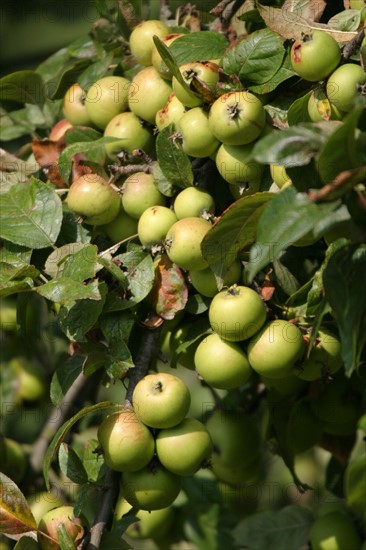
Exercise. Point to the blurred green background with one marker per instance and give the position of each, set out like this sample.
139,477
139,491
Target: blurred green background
31,30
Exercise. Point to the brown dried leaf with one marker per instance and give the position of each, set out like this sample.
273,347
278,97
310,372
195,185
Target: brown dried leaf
47,153
289,25
268,287
169,293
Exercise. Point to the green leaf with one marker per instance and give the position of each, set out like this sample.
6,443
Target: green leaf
284,73
285,529
139,270
354,486
16,517
292,146
66,290
165,186
23,87
62,431
256,58
346,20
80,134
330,162
173,161
95,71
15,254
343,280
71,465
288,217
199,46
298,111
64,539
78,318
170,61
114,270
31,215
55,263
67,77
26,543
234,231
116,328
94,150
64,377
285,278
93,461
12,277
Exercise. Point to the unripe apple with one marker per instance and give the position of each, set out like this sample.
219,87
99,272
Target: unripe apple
31,378
354,484
275,349
153,225
141,39
237,118
345,84
236,166
152,524
303,429
156,58
193,202
222,364
236,445
74,106
315,55
91,197
13,459
48,535
204,281
58,130
128,445
339,405
151,488
132,132
183,242
121,228
334,531
139,193
198,140
207,72
183,449
325,358
41,503
148,93
320,108
107,97
237,313
161,400
171,113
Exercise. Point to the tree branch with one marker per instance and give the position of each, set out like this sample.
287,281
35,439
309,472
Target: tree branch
147,352
106,509
353,45
55,420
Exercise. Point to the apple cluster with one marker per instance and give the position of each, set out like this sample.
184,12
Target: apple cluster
154,443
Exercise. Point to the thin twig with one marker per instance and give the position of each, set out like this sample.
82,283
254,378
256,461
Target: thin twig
55,420
143,361
106,509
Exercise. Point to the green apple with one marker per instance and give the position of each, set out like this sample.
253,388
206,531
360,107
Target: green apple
141,39
150,525
161,400
91,197
275,349
151,488
74,107
237,313
127,443
148,93
121,228
334,531
204,281
325,357
184,448
132,132
222,364
153,225
183,242
140,192
107,97
193,202
48,534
